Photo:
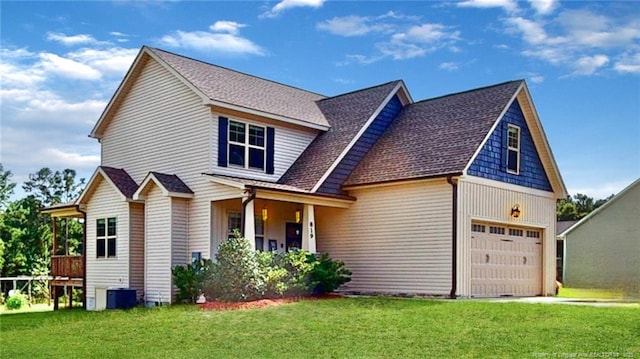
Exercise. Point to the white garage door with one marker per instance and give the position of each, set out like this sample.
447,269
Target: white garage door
505,260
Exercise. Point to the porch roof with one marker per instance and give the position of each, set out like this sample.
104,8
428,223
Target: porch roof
63,210
252,183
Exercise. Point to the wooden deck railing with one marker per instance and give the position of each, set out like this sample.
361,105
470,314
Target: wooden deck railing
67,266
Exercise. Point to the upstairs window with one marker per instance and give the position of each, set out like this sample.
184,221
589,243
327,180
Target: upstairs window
245,145
513,149
106,236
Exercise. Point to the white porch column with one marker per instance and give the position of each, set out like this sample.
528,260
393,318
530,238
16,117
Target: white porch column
250,224
308,229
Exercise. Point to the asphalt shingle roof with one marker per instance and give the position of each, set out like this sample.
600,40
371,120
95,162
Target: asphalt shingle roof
126,185
434,137
347,114
240,89
172,183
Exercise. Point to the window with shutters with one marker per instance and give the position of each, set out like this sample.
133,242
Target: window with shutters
245,145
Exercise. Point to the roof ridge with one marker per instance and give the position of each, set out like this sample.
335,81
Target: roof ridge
468,91
232,70
361,90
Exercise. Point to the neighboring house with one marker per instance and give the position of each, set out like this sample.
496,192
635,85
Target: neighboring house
602,250
561,226
452,196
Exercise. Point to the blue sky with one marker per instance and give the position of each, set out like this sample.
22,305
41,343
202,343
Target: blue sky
62,61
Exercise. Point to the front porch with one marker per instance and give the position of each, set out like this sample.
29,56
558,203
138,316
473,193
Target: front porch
271,219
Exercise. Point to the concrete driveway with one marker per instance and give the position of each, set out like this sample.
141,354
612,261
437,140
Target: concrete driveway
570,301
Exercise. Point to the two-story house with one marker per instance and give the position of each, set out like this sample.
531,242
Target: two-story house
450,196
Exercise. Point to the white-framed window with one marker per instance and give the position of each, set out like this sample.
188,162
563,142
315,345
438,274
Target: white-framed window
259,232
247,145
106,237
234,221
513,149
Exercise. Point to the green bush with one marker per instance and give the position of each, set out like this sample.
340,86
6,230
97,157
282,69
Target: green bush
191,279
236,276
241,274
16,301
327,275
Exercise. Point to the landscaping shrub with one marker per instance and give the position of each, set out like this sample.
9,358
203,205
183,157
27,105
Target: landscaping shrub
241,274
191,279
272,275
327,275
236,276
16,301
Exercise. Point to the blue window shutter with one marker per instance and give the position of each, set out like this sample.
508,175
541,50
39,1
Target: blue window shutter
270,149
222,141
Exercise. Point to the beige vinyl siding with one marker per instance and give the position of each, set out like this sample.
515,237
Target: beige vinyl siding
604,250
179,233
136,245
163,126
395,239
488,201
289,145
157,247
107,272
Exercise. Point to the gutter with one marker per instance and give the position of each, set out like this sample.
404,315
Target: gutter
454,237
245,202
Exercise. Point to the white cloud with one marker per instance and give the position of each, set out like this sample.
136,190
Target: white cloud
114,60
580,40
59,158
532,31
427,33
448,66
587,65
403,38
223,38
346,26
628,64
536,79
508,5
543,7
80,39
230,27
284,5
64,67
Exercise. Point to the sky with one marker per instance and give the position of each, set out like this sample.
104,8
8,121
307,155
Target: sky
62,61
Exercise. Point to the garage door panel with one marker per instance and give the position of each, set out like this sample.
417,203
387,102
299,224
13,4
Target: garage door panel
505,261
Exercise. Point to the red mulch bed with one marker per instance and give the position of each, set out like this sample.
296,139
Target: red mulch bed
261,303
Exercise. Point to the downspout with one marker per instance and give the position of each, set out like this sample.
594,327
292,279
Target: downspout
454,236
245,202
84,258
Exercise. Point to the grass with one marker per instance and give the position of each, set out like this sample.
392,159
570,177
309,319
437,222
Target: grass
338,328
26,309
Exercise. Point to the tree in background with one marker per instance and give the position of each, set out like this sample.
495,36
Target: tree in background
6,186
26,233
577,207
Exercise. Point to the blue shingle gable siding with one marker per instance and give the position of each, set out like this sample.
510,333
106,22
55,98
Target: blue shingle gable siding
333,183
491,162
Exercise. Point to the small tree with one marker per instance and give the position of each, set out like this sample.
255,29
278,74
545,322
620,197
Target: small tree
236,276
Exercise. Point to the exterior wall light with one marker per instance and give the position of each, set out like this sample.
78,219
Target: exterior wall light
265,213
298,216
515,211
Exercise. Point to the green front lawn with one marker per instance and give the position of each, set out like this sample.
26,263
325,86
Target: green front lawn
337,328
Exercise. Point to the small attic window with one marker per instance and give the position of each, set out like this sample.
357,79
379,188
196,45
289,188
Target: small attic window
513,149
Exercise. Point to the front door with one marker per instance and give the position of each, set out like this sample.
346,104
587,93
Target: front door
294,236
